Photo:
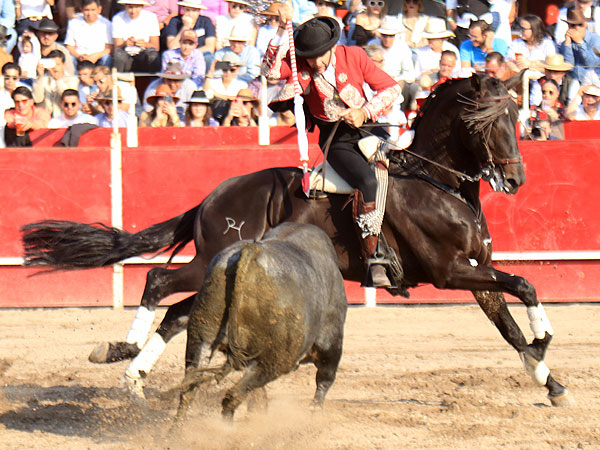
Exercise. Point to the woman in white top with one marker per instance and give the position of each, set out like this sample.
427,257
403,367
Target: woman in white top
228,85
413,23
533,45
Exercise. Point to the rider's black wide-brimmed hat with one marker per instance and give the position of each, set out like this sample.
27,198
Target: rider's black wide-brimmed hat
316,36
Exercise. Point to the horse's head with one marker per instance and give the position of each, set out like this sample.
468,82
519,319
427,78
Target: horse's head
490,116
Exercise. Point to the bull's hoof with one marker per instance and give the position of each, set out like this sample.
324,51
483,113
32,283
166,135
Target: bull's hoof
109,352
563,400
135,388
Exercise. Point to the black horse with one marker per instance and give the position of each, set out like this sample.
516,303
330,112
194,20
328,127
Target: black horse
433,222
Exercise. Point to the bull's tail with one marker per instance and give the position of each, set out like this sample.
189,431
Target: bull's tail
248,282
65,245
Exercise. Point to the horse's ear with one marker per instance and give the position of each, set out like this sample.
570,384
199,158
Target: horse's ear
516,82
476,82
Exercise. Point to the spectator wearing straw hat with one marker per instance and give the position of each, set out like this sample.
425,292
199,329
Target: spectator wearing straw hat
589,108
555,68
191,19
579,45
136,37
106,118
248,54
178,81
89,36
428,57
268,29
236,17
398,61
47,33
189,56
242,110
199,112
164,111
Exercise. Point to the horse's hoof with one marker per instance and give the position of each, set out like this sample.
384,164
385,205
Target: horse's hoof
135,389
109,352
562,400
99,354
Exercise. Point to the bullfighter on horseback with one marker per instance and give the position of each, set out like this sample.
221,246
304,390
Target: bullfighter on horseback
331,78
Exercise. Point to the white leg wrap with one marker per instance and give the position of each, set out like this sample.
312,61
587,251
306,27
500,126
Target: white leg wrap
145,360
140,326
538,321
538,370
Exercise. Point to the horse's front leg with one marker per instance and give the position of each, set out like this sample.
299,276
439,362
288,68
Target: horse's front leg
160,283
488,285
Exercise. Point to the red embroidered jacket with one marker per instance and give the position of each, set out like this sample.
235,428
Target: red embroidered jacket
352,69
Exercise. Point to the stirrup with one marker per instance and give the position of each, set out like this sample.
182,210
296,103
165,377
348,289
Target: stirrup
378,282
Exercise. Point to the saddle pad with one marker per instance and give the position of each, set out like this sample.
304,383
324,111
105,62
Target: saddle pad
334,184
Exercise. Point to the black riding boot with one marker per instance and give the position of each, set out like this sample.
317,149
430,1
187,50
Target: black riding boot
368,243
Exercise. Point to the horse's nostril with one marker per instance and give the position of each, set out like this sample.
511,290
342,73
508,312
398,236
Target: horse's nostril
512,185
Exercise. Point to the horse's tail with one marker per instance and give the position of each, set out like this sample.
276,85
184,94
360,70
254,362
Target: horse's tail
66,245
249,277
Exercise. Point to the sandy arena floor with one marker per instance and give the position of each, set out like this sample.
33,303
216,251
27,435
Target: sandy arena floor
410,378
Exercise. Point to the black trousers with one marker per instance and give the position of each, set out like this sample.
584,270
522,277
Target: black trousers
347,160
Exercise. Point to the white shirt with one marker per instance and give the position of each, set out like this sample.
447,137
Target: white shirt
231,91
502,7
35,8
398,62
88,38
581,114
537,53
145,26
62,122
224,24
428,60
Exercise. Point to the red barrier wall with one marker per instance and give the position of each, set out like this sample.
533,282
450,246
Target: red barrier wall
554,212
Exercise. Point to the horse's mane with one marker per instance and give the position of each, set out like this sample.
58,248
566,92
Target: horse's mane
436,121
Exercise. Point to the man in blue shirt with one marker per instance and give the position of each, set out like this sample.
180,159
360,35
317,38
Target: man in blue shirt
579,45
481,42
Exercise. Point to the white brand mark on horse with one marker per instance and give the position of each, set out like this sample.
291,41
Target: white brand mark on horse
231,225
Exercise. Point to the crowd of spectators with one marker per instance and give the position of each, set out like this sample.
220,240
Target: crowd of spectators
197,62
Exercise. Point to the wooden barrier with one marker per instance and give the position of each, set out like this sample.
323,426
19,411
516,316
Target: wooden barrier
548,232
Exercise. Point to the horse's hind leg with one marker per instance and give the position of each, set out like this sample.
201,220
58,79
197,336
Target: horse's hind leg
487,285
160,283
174,322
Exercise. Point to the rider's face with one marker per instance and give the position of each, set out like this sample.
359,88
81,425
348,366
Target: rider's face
320,63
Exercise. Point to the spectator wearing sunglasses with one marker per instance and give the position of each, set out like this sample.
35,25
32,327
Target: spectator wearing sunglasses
236,17
23,118
579,45
365,27
228,84
71,107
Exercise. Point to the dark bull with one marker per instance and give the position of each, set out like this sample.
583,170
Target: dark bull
270,306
